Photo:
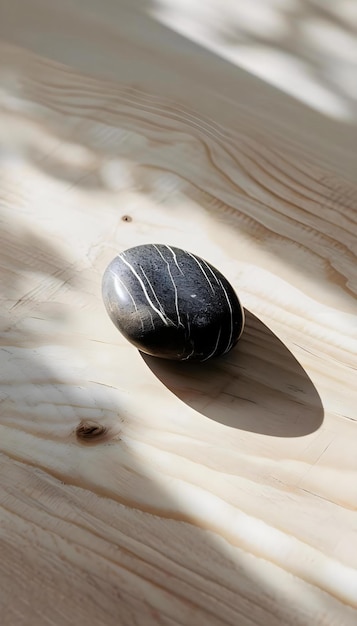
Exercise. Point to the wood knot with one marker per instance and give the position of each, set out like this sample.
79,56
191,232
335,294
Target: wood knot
127,218
90,432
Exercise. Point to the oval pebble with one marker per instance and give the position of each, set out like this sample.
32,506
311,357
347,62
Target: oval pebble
172,304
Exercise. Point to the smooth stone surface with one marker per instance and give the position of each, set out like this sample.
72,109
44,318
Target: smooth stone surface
172,304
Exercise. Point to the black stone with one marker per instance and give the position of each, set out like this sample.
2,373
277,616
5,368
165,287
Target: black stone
172,304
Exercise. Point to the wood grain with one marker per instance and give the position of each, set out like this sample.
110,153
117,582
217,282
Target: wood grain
135,492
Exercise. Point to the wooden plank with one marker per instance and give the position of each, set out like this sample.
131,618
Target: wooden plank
135,491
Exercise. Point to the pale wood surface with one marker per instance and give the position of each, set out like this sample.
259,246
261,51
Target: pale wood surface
223,494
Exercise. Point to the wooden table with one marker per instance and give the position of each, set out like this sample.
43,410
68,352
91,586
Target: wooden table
133,491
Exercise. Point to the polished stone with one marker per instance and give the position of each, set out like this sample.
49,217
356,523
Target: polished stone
172,304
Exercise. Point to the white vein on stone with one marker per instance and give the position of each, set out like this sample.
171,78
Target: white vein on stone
188,327
215,347
155,296
116,280
152,320
179,322
191,353
175,259
231,318
188,334
203,271
164,318
211,270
